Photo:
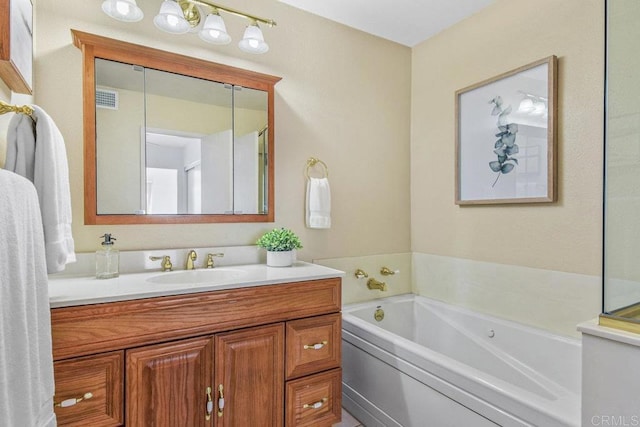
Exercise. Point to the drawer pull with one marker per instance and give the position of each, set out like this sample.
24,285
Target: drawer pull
220,401
316,346
70,402
315,405
209,405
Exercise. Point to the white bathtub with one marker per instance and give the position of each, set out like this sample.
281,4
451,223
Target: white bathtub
430,364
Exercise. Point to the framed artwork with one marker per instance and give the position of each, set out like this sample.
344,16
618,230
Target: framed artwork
16,45
506,137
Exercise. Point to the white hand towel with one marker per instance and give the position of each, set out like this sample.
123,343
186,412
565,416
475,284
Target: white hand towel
318,204
26,361
37,152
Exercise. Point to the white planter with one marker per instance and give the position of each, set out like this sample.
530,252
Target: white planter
281,259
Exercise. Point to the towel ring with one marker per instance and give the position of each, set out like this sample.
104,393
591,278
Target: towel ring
312,162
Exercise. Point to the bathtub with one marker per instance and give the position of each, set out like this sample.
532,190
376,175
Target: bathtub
430,364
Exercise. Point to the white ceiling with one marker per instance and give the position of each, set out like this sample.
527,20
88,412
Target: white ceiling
407,22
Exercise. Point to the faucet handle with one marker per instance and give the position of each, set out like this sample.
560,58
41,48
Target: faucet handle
210,259
359,273
386,271
166,262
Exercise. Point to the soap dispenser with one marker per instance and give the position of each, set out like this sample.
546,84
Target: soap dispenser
107,259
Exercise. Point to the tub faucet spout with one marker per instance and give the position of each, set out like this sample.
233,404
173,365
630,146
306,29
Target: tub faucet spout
376,284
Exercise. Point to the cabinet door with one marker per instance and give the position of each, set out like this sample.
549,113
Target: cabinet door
250,376
167,384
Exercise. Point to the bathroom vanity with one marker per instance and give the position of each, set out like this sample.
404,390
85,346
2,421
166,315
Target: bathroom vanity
264,350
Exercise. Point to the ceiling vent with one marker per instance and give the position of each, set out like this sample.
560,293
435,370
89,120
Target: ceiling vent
106,98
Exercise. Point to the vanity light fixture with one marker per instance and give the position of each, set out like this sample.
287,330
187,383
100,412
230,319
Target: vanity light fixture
122,10
201,16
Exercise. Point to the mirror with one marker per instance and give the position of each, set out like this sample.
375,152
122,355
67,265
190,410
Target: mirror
173,139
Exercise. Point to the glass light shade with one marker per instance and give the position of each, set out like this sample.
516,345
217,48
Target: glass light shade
122,10
526,105
171,19
253,40
539,108
214,31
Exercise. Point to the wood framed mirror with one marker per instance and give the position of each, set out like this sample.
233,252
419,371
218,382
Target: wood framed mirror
171,139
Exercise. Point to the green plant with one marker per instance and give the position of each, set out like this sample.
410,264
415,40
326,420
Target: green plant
505,147
279,240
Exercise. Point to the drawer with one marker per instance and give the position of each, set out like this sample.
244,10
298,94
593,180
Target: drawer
89,390
98,328
313,345
315,400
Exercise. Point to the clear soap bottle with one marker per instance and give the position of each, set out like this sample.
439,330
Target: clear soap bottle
107,259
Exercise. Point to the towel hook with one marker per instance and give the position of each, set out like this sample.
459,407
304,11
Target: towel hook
312,162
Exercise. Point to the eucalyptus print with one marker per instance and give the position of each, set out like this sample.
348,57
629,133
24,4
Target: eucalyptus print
505,147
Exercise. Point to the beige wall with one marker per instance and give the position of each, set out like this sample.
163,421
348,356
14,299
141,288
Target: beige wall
563,236
344,98
535,264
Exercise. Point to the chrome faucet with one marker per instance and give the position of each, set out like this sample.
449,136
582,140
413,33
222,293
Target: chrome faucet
376,284
192,256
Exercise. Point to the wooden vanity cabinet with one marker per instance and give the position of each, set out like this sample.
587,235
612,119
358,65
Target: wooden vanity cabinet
179,356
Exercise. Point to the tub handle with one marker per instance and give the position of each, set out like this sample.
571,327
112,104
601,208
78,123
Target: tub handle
315,405
316,346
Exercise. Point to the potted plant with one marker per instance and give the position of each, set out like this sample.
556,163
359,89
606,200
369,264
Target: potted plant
280,244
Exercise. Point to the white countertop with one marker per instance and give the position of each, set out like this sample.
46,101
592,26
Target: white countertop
72,291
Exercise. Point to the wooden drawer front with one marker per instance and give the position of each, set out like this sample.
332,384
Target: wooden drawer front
313,345
89,329
100,375
315,400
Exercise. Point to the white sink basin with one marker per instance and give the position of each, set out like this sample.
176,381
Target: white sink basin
197,277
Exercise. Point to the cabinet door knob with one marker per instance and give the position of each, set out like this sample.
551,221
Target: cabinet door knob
315,405
316,346
209,405
74,400
220,400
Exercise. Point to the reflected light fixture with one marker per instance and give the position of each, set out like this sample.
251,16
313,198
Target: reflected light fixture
201,16
122,10
532,104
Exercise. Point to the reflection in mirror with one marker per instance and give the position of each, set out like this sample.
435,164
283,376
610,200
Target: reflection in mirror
174,139
185,145
250,124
